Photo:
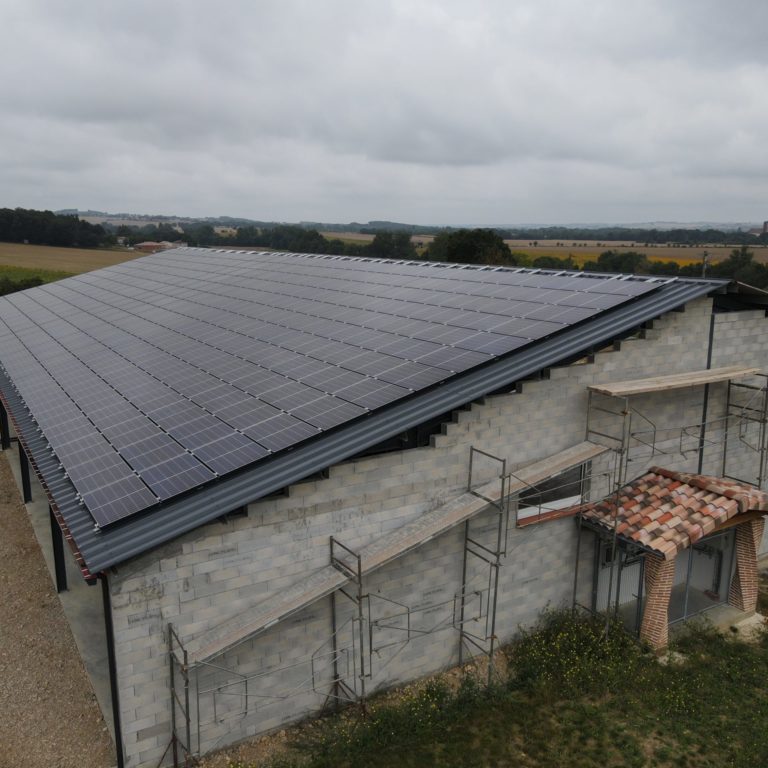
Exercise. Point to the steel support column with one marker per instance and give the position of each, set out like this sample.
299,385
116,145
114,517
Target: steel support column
5,432
112,662
60,565
26,486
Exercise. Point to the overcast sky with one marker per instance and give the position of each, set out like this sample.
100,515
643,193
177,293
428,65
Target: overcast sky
423,111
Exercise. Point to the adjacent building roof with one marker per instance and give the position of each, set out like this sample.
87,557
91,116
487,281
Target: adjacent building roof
666,512
156,395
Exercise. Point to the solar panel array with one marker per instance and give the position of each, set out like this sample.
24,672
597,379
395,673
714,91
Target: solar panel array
156,376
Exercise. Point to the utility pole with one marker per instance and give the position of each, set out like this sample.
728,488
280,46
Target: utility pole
704,263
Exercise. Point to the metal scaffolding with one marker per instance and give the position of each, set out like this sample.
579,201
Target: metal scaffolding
484,642
368,629
633,436
365,626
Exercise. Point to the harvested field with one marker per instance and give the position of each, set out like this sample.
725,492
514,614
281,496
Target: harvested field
71,260
352,237
586,250
589,250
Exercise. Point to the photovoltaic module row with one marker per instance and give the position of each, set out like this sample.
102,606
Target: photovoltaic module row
159,375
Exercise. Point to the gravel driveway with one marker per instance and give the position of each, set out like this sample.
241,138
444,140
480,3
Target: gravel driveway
49,717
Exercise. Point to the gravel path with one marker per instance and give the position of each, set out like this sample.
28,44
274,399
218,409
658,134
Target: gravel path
49,717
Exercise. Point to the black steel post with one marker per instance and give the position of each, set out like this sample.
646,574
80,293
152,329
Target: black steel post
5,432
59,564
112,661
595,572
174,740
639,607
26,486
463,593
705,404
335,645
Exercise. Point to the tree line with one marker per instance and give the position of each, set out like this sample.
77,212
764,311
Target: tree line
465,246
21,225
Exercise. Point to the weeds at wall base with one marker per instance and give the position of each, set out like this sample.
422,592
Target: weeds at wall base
570,697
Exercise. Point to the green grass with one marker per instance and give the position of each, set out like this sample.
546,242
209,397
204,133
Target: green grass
571,698
20,274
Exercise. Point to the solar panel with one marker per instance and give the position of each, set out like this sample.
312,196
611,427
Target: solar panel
156,376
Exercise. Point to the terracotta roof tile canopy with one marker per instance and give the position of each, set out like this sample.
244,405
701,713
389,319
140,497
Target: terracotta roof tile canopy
667,511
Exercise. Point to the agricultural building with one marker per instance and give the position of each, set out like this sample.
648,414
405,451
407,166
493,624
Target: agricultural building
299,479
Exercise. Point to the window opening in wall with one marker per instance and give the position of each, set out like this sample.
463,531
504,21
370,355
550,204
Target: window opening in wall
559,492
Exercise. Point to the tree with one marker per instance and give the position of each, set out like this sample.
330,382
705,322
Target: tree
476,246
663,268
554,262
392,245
627,262
741,265
21,225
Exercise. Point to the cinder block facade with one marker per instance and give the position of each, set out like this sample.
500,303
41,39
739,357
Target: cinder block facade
206,576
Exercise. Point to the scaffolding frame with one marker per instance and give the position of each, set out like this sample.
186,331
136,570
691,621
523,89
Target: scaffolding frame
350,651
492,556
181,739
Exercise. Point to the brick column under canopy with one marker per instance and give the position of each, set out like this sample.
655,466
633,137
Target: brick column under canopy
659,575
743,591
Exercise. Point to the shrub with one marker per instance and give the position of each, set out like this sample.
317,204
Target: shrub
570,655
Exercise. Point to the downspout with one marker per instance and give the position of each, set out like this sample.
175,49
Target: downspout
112,660
705,406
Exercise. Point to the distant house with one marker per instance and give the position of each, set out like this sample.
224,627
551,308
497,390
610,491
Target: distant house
301,478
148,246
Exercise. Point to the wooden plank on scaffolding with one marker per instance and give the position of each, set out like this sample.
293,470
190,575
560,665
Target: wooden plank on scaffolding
672,381
544,469
252,621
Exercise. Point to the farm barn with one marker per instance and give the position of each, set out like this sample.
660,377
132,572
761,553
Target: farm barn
271,482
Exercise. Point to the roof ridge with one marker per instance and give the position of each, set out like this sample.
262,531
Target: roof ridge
660,279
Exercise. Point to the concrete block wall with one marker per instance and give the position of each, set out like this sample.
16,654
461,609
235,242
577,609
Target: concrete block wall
208,575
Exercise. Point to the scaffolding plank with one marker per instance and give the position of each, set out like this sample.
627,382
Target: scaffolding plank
252,621
672,381
544,469
261,617
426,527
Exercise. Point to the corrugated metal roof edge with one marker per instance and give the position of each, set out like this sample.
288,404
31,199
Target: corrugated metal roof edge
108,547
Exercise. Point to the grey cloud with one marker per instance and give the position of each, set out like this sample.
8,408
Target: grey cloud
430,111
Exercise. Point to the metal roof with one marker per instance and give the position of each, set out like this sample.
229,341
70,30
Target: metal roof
102,548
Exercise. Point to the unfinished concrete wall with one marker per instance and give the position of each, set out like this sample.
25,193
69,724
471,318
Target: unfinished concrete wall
210,574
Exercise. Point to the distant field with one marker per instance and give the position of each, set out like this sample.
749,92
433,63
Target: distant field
588,250
349,237
60,260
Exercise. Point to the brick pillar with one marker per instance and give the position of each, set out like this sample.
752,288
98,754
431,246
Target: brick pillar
659,575
743,591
